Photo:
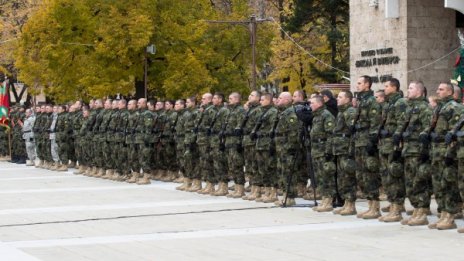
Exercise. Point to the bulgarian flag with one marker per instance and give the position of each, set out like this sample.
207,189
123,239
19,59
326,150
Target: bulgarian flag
4,104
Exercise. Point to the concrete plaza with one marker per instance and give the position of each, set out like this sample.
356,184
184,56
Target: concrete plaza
46,215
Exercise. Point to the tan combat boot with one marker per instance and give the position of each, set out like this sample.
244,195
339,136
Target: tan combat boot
239,191
461,230
272,197
53,166
265,194
40,164
374,211
144,180
222,190
405,221
440,219
349,209
360,215
108,174
420,217
394,215
101,172
326,205
93,172
253,190
185,185
257,193
447,222
29,163
196,186
232,191
134,177
80,170
290,202
180,177
62,167
207,187
72,165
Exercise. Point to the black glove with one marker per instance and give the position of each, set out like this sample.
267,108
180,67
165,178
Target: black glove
424,157
208,132
222,147
353,129
396,139
449,137
396,157
238,132
272,135
449,161
424,138
253,136
239,148
328,157
371,148
272,150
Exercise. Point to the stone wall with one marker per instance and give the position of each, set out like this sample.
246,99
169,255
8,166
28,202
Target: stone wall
390,47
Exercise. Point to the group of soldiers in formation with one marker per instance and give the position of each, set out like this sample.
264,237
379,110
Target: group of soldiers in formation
406,146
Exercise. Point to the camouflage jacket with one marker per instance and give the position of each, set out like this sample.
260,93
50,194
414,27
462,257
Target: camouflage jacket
233,122
287,131
415,120
321,132
249,122
190,118
203,123
341,140
144,128
368,118
393,121
130,127
265,126
169,125
217,125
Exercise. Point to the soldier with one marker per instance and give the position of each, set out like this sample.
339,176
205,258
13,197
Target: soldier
444,165
53,142
179,131
122,134
83,140
265,150
168,145
105,162
216,131
160,171
38,136
3,143
98,137
145,124
343,150
380,97
62,139
366,124
288,148
457,134
191,157
249,145
91,137
321,152
28,136
390,152
202,127
131,141
233,144
418,179
77,122
111,120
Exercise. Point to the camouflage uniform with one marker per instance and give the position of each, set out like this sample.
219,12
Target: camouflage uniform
322,128
179,139
3,142
265,151
367,124
121,138
157,133
418,178
98,138
113,138
133,161
249,145
233,143
70,138
77,121
288,147
393,175
191,157
203,125
106,161
343,150
145,124
445,176
220,171
28,137
168,144
61,132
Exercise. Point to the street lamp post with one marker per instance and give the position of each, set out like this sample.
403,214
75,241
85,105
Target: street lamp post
151,49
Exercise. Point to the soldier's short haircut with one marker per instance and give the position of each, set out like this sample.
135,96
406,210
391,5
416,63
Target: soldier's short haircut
348,94
220,95
381,93
123,101
63,107
328,93
151,102
449,86
181,101
367,79
420,85
318,99
172,102
192,99
301,93
258,93
237,95
267,96
395,83
85,108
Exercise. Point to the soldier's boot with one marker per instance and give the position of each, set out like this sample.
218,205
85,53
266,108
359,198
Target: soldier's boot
79,170
54,166
210,190
420,217
256,194
72,165
272,197
326,205
360,215
185,185
94,172
101,172
441,217
300,190
133,179
248,188
405,221
196,186
386,208
246,197
222,190
164,175
157,174
461,230
29,163
39,164
170,176
180,177
239,191
62,167
290,202
447,222
267,191
144,180
374,211
394,215
206,188
349,209
108,174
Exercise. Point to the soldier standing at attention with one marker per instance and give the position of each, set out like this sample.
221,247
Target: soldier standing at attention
145,124
132,140
321,152
288,149
28,136
53,141
191,157
122,168
180,131
367,124
418,178
61,132
343,150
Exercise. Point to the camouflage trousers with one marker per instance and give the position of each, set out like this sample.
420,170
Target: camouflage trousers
392,177
71,149
63,150
301,168
108,148
54,150
122,158
325,180
235,163
78,151
86,145
191,162
180,151
267,175
346,174
168,155
145,156
220,170
30,149
98,155
205,162
19,148
418,181
133,157
461,177
251,166
445,185
286,171
4,147
367,173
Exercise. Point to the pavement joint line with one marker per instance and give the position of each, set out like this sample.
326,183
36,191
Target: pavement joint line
196,234
9,253
77,208
78,189
37,178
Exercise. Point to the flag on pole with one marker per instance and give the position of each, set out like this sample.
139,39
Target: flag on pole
4,104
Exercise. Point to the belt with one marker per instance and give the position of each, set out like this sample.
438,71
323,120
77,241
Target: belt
27,131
